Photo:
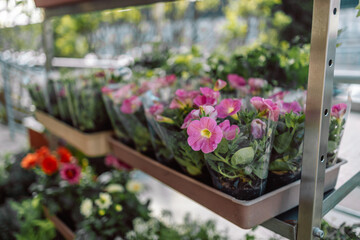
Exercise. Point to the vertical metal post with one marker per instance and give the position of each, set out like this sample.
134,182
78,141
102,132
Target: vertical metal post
318,108
8,101
48,41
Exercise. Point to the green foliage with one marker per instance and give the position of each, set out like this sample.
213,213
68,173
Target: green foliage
282,65
14,180
358,8
32,224
243,157
117,218
336,131
21,38
344,232
288,143
167,229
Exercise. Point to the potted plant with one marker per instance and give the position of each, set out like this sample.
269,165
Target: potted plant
286,155
338,117
238,159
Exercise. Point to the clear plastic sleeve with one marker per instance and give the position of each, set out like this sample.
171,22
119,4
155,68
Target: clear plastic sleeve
239,167
286,154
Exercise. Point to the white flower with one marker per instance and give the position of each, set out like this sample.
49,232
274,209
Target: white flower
134,186
104,201
86,207
113,188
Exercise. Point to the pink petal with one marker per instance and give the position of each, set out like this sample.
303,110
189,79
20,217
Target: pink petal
196,143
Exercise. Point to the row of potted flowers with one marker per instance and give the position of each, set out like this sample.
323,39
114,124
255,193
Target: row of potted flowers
104,206
237,141
146,117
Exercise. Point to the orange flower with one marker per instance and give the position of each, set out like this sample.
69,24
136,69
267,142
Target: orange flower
43,152
49,164
30,161
64,154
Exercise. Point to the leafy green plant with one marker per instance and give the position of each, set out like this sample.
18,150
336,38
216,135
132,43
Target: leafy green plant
344,232
166,228
287,152
32,224
110,205
14,181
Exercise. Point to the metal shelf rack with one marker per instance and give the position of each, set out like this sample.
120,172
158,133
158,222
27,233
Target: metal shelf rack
313,206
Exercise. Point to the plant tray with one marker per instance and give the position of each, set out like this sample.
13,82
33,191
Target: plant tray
64,230
91,144
245,214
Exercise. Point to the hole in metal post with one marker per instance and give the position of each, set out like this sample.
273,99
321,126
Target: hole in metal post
330,62
334,11
322,158
326,112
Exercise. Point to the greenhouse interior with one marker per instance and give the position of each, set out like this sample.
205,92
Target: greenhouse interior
179,120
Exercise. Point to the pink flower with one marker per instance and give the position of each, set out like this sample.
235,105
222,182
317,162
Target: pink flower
99,74
169,80
123,92
156,109
258,128
204,101
203,111
286,107
106,90
112,161
278,96
208,92
256,84
236,81
204,135
266,107
229,132
183,99
228,107
220,84
131,105
338,110
71,173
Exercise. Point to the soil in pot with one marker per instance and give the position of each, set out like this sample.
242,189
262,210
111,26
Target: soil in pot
276,181
238,188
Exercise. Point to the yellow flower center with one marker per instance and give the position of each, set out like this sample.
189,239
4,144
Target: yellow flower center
206,133
231,109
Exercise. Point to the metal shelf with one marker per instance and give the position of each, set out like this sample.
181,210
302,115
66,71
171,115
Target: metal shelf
63,7
286,224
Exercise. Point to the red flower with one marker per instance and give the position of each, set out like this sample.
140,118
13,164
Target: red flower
64,154
43,152
30,161
71,173
49,164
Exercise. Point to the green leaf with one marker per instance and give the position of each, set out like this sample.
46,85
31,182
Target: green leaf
332,146
261,171
282,142
280,164
243,156
209,157
222,147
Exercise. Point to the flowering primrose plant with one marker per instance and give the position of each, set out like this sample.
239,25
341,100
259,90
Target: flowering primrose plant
338,117
172,123
110,205
286,155
236,145
58,177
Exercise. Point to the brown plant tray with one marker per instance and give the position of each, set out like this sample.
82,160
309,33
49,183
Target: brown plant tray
245,214
64,230
91,144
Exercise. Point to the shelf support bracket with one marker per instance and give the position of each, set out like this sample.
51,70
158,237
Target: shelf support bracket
318,107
